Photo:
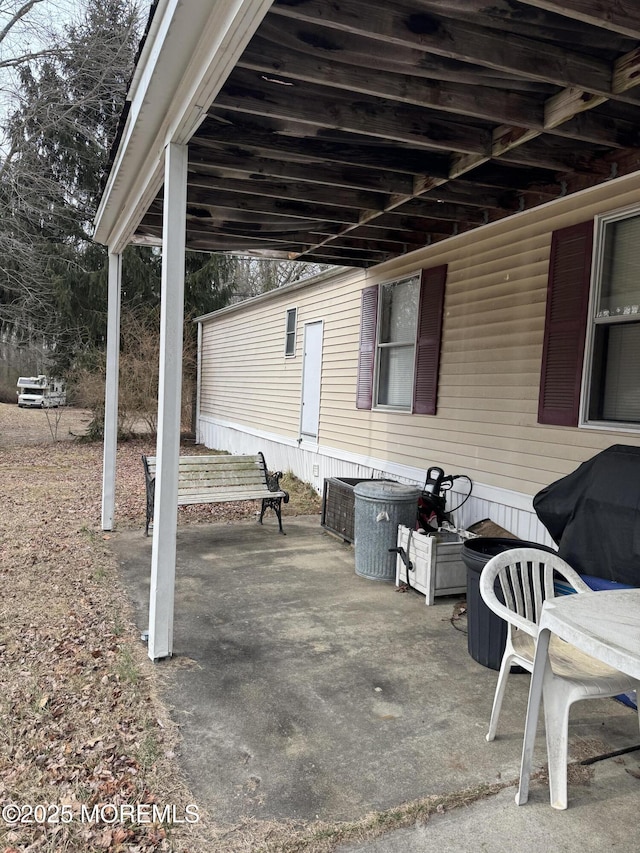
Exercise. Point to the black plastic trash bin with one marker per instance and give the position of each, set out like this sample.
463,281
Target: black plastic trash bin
487,632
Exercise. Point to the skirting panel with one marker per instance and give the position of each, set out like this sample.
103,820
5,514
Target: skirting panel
510,510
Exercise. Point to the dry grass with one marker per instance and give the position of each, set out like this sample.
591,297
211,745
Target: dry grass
320,837
82,722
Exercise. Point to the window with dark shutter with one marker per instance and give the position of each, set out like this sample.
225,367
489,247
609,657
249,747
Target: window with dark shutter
366,358
429,336
565,325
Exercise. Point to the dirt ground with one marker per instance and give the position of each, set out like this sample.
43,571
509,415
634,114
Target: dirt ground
85,735
39,426
84,732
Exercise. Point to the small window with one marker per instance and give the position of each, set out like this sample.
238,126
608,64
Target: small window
613,384
290,337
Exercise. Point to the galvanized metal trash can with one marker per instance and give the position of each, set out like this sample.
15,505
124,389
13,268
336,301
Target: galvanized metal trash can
380,506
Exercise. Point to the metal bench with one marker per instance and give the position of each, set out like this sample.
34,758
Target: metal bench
220,478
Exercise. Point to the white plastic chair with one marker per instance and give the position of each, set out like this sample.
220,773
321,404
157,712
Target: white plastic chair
526,578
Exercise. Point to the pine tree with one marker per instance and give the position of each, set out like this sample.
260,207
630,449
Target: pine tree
58,138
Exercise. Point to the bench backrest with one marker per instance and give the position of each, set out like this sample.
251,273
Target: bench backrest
220,471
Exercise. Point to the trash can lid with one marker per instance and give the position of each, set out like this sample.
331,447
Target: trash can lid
386,490
476,553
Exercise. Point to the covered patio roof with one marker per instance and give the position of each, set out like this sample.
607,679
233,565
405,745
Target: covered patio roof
352,132
347,132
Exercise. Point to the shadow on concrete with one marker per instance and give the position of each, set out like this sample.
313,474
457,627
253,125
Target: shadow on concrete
305,691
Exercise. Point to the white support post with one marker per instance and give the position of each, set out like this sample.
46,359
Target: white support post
110,445
165,512
198,381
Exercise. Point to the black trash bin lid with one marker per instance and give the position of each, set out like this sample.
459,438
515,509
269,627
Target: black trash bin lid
476,553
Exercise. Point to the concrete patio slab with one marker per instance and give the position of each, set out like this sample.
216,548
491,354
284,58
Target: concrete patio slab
304,691
601,816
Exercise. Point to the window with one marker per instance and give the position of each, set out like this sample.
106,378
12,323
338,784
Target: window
290,335
400,330
599,311
614,365
398,314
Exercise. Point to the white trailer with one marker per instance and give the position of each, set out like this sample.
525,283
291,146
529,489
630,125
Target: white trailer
40,392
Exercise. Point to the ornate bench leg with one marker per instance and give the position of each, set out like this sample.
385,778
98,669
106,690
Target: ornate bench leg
151,490
276,505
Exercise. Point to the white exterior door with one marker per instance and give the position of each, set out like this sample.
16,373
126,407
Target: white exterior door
311,375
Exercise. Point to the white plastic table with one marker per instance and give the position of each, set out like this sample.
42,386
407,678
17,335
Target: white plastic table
605,625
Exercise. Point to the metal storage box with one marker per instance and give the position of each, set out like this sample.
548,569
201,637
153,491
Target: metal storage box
438,568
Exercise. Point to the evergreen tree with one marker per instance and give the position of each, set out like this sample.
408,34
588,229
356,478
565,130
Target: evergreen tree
53,278
52,275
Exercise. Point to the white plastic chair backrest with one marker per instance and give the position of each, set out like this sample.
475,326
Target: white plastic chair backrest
526,577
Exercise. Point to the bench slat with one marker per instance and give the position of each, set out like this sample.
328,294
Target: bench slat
222,461
224,496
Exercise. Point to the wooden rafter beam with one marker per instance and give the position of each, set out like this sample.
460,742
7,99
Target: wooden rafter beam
223,126
291,191
201,228
314,258
442,210
626,72
567,104
348,126
363,52
547,153
466,193
390,235
618,16
327,253
242,221
221,240
239,161
454,39
248,92
357,241
257,204
404,221
484,102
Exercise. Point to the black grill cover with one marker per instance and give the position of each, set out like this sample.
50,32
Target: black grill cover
593,515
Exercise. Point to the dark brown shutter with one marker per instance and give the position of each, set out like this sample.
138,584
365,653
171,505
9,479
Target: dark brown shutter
429,335
367,354
565,325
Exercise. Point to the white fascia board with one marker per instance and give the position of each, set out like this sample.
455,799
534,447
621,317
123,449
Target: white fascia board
190,51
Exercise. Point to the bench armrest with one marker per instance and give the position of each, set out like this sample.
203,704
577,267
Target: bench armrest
273,483
148,477
150,483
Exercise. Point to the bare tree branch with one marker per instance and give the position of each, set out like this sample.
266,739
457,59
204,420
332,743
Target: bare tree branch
17,16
